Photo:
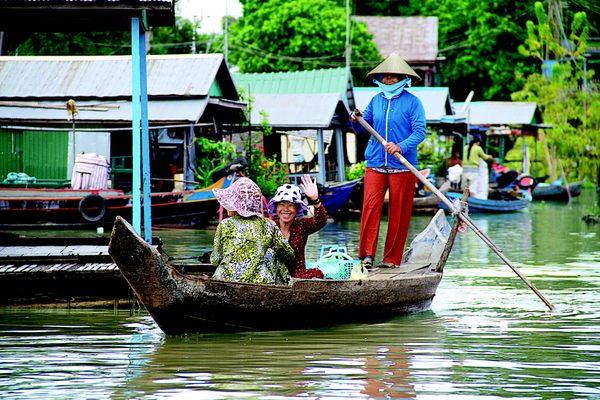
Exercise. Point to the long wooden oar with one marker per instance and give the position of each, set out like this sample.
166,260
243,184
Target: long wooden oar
464,217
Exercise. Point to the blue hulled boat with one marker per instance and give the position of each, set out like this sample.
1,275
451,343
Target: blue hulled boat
488,206
335,196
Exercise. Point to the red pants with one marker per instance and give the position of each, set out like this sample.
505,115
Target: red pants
402,192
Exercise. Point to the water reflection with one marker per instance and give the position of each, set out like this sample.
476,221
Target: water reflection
346,361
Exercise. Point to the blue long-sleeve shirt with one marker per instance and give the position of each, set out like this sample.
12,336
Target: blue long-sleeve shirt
400,120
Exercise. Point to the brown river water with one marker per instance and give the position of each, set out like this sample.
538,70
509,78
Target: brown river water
486,335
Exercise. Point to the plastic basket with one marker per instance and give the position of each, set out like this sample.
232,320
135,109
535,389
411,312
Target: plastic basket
335,262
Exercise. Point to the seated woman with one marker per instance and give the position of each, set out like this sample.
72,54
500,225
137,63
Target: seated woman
286,208
248,247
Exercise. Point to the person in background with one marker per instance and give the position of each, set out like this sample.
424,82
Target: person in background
475,173
286,208
248,247
399,117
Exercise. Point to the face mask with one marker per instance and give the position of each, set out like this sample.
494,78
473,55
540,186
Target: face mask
393,90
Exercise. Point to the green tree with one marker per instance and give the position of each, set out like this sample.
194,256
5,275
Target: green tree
478,38
571,108
281,35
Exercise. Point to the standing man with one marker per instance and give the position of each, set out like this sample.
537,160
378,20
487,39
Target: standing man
399,117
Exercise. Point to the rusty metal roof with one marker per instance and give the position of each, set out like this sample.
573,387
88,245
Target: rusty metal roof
109,77
501,112
436,100
414,38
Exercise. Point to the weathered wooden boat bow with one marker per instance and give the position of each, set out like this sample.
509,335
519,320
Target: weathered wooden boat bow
144,269
182,302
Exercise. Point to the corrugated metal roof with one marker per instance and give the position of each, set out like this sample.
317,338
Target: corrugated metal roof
333,80
159,111
501,112
413,38
436,100
297,111
97,77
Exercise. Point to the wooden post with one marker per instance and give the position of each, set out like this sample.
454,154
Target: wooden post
339,146
322,177
136,109
450,243
145,138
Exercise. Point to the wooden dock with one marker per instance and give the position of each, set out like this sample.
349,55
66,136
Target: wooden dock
61,271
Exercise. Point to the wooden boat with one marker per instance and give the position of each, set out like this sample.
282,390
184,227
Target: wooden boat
67,208
488,206
186,302
336,196
425,204
546,191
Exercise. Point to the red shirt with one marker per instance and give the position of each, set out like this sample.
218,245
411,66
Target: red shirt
299,231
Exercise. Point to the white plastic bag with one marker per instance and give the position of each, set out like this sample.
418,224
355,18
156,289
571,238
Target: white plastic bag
427,246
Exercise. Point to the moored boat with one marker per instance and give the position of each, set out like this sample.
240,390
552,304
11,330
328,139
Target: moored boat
547,191
336,196
67,208
186,302
488,206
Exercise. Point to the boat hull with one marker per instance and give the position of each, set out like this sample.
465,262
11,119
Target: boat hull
556,192
488,206
181,303
223,306
42,208
336,196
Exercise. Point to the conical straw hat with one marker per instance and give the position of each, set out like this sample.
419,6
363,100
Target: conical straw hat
394,64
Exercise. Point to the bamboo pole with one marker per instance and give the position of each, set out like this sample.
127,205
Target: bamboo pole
482,235
564,179
551,168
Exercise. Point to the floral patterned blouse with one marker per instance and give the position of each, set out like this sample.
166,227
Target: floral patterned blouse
299,231
251,250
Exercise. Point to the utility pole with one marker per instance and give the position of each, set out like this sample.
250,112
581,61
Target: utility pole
348,49
194,27
226,31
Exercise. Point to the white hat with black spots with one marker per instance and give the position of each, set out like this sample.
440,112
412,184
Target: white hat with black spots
291,193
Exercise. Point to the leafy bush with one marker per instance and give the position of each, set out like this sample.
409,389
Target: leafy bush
268,173
356,171
432,152
211,156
